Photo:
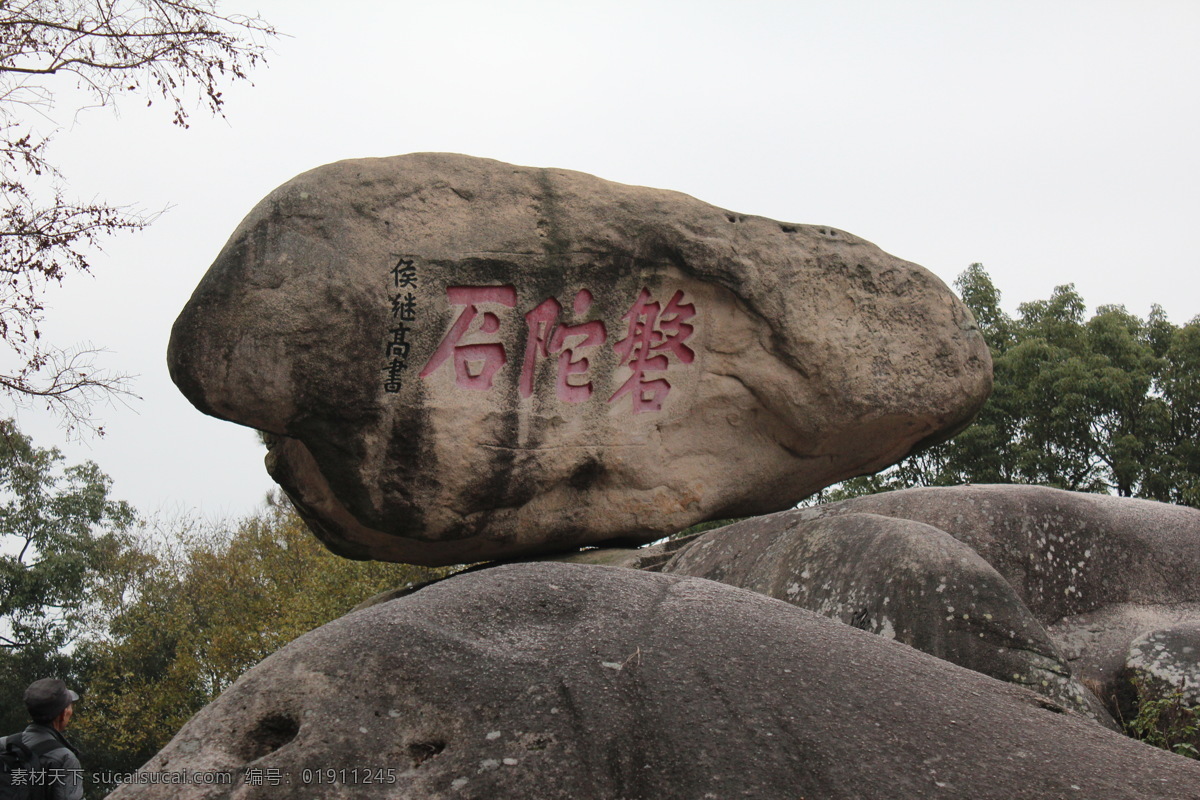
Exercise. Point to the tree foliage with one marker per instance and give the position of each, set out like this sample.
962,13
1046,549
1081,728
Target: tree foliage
179,52
210,603
1106,404
1165,719
60,533
149,622
61,539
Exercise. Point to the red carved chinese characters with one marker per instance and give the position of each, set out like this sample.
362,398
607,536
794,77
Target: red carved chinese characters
546,339
540,322
651,335
489,356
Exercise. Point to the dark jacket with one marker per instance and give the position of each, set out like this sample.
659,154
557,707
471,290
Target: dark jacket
64,775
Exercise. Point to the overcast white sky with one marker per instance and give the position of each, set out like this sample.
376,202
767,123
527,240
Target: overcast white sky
1054,141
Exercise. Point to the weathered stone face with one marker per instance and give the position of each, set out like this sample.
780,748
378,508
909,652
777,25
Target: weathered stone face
567,681
1098,571
1168,661
1064,552
465,359
897,578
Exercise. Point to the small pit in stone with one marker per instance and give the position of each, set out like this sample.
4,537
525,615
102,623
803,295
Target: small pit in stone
271,733
420,752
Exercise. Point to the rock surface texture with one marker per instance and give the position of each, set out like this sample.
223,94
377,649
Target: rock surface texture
1098,571
568,681
462,359
901,579
1168,661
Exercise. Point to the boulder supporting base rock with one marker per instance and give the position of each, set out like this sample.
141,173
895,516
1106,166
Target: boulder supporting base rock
568,681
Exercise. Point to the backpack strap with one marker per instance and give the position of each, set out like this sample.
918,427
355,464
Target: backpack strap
34,754
42,748
13,744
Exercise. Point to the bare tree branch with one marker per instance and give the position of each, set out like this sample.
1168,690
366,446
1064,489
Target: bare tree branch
68,384
178,51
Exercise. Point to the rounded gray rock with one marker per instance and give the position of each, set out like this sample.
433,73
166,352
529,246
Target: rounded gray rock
897,578
568,681
1097,571
1168,661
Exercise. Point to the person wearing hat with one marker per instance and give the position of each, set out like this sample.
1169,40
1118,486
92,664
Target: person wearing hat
51,704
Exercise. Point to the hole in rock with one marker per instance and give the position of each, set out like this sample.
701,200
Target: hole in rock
271,733
420,752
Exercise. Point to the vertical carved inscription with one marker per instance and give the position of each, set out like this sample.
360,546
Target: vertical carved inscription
402,284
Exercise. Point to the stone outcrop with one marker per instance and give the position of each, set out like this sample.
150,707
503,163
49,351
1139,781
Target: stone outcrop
901,579
566,681
1167,661
460,360
1098,571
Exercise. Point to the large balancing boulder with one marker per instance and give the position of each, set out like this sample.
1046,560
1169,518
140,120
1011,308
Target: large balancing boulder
901,579
461,359
1100,572
569,681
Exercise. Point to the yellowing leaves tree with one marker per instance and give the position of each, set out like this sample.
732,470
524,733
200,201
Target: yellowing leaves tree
209,604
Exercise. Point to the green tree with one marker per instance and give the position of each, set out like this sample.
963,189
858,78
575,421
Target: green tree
1177,475
1106,404
96,51
60,536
